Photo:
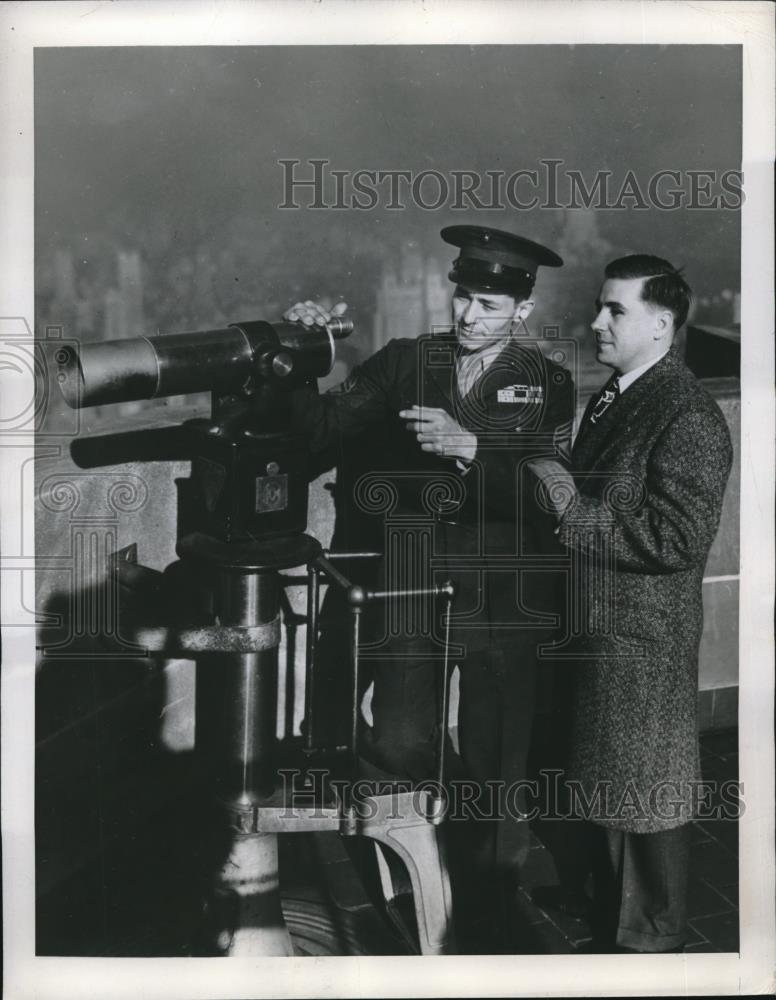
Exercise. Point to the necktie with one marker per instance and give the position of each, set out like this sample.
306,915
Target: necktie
608,395
468,369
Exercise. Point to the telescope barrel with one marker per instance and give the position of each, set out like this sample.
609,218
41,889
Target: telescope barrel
117,371
220,361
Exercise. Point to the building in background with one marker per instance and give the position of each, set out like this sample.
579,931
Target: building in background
413,297
130,289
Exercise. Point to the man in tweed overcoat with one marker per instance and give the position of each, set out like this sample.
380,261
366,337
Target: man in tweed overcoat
650,464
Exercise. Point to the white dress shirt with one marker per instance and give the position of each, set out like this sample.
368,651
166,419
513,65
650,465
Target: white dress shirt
626,380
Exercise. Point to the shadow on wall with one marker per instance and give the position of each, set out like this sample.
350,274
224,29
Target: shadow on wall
126,838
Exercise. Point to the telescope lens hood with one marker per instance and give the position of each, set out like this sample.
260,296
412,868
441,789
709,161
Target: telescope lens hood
109,372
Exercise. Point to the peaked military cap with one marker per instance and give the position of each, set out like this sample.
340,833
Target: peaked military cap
495,260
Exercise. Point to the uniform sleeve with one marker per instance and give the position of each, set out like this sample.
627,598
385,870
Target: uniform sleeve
501,461
668,522
348,408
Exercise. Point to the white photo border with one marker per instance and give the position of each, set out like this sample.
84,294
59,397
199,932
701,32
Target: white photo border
27,25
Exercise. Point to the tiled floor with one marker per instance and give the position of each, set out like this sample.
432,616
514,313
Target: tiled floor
714,857
142,900
713,892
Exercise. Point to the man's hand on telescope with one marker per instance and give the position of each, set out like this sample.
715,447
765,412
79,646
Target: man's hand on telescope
436,431
312,313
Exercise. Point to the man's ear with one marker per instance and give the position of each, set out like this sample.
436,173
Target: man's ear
523,310
664,324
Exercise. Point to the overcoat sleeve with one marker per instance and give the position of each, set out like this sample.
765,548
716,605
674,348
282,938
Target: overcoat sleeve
668,522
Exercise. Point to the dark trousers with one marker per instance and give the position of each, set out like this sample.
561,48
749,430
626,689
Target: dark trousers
402,741
640,887
495,713
487,841
494,728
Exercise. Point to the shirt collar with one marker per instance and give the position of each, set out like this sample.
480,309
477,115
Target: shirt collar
483,358
626,380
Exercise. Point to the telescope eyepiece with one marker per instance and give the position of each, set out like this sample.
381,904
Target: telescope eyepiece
340,327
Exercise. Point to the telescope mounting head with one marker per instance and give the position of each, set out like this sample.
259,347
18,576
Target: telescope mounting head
249,476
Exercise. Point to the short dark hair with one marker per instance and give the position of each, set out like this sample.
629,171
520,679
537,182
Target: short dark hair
521,289
664,285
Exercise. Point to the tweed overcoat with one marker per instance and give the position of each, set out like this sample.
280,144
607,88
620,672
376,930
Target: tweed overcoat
651,475
477,524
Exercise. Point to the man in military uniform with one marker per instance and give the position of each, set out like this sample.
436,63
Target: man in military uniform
463,412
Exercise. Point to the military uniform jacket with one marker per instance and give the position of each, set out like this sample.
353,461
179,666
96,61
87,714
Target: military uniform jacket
440,522
651,475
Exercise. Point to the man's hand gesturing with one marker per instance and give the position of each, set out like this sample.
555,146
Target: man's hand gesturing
437,432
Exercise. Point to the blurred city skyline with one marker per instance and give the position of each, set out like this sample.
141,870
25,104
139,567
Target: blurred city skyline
160,169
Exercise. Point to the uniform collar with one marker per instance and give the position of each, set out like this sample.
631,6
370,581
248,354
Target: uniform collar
511,347
485,355
517,354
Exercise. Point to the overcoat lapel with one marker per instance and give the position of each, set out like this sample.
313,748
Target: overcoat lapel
593,440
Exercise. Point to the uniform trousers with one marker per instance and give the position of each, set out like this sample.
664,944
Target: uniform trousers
495,712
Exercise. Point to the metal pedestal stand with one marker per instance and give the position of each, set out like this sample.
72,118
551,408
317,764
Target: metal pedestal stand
237,665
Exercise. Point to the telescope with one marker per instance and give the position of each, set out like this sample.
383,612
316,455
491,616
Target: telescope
241,519
250,471
234,359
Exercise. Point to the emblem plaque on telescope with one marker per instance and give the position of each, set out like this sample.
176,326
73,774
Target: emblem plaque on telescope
271,493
